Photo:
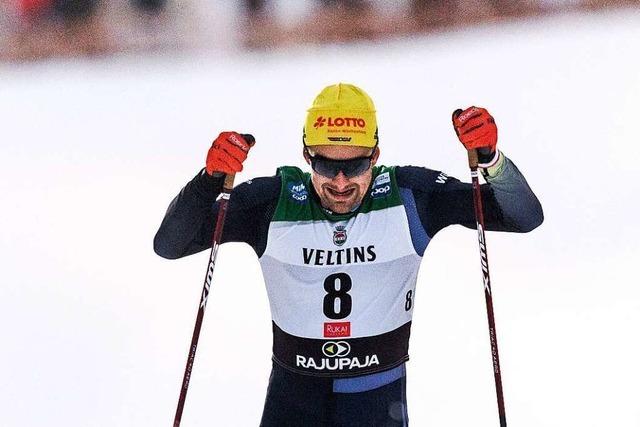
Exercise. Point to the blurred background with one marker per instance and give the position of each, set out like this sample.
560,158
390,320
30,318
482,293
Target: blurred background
38,29
107,108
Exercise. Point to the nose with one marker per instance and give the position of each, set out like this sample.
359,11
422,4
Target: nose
340,181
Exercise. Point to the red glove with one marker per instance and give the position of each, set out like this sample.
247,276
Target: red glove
476,128
227,153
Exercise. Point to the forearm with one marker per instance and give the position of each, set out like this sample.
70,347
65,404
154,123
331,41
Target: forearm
188,224
520,209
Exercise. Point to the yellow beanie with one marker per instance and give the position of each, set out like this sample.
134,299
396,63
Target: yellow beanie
342,114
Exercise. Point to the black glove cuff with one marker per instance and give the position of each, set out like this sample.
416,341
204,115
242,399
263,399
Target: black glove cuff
485,155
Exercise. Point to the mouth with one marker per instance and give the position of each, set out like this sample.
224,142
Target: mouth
340,195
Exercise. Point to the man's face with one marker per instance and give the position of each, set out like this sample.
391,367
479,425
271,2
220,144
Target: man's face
341,194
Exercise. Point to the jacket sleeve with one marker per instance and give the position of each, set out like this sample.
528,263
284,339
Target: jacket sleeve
509,203
190,220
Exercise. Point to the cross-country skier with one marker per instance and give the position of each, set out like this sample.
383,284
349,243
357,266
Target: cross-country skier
340,249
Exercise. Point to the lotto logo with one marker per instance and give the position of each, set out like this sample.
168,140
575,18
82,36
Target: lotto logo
339,122
320,121
337,329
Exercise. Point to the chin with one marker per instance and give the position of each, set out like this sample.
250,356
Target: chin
341,208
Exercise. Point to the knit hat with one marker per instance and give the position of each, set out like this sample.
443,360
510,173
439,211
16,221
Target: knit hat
342,114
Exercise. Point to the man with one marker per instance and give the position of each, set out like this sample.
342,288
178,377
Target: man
340,249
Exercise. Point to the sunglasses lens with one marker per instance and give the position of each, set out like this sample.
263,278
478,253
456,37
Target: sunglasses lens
331,168
356,167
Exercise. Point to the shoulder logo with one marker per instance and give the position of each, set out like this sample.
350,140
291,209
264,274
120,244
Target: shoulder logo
298,192
378,192
340,235
381,186
383,178
442,178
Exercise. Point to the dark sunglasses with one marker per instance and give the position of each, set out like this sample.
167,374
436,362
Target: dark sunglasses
330,168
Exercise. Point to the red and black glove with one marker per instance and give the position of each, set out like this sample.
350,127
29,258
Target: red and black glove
227,153
476,129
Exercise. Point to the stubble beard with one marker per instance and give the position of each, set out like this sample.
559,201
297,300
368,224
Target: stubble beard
341,206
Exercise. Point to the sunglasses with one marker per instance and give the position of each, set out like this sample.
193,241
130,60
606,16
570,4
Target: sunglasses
330,168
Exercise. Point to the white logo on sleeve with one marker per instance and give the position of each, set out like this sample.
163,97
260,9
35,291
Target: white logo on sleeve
442,178
383,178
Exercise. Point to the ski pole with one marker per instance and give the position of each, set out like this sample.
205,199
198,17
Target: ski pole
217,237
484,261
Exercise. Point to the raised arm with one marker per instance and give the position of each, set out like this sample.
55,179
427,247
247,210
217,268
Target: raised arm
189,222
508,202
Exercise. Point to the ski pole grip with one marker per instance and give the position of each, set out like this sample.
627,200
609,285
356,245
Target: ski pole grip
229,178
228,182
473,158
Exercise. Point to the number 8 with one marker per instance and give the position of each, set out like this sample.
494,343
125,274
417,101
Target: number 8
408,300
340,294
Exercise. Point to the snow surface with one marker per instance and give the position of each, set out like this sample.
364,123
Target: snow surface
95,327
